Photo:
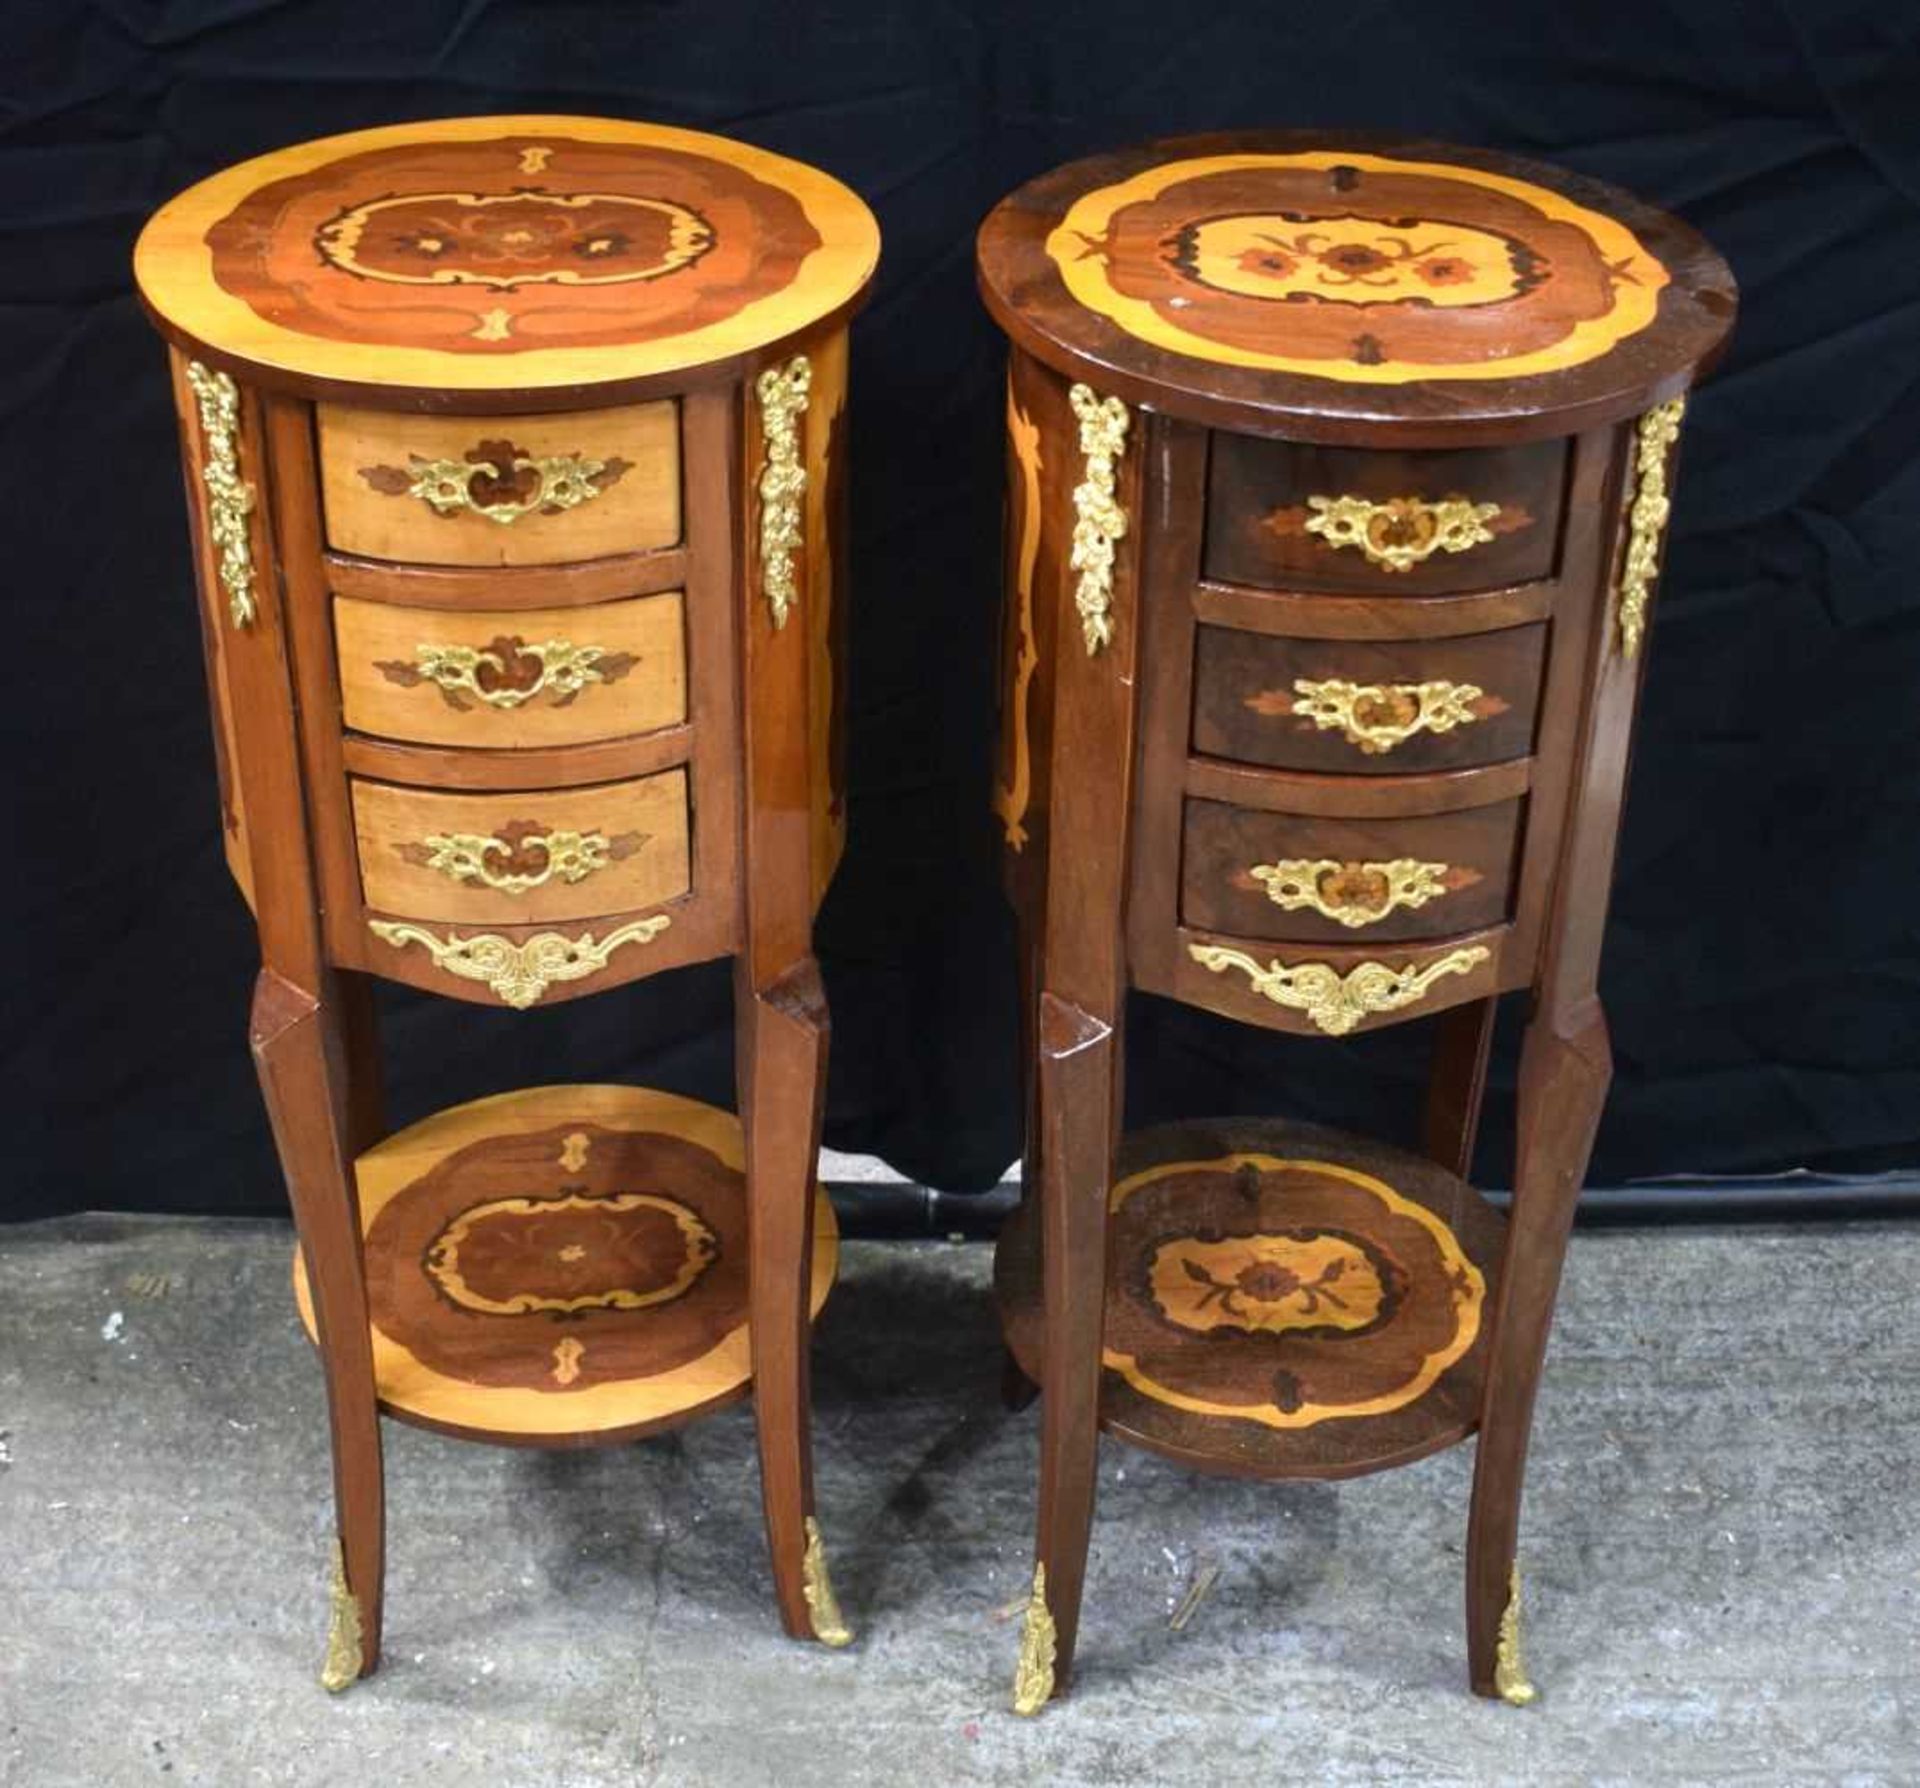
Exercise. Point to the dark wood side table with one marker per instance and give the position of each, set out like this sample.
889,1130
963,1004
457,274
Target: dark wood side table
513,451
1338,470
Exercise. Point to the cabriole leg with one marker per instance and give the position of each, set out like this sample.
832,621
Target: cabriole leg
782,1071
300,1051
1563,1084
1079,1108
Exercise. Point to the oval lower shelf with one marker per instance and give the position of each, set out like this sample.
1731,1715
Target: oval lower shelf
561,1266
1282,1300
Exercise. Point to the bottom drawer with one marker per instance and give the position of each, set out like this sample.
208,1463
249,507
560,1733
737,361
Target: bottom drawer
1286,875
511,859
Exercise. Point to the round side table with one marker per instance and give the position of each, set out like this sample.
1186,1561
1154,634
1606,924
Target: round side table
514,458
1337,476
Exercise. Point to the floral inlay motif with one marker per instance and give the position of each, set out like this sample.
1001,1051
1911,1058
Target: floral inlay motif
560,1256
1314,1279
1354,260
511,239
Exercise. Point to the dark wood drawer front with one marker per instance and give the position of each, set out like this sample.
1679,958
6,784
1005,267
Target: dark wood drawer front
1307,878
1368,706
1287,516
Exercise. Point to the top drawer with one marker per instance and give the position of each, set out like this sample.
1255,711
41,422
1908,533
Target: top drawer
1294,517
501,490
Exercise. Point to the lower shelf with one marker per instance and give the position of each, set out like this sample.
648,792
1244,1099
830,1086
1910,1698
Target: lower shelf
565,1265
1282,1300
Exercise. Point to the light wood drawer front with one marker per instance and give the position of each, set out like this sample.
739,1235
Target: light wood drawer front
517,858
1310,878
527,677
1288,516
1367,706
501,490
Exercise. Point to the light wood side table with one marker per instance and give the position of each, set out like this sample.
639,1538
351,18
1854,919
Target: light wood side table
514,458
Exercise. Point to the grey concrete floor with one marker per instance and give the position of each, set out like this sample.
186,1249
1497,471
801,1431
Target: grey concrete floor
1721,1543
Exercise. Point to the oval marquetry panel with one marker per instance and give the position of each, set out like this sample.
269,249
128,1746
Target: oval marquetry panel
565,1264
1282,1300
532,677
514,859
501,490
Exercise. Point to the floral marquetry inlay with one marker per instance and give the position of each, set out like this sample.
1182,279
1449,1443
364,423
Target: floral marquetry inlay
580,1251
1283,1291
1270,1283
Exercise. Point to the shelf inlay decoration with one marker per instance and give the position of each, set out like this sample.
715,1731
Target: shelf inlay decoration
1334,1002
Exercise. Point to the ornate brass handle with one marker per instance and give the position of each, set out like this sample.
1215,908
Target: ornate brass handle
1379,716
229,496
1333,1001
519,972
529,859
1400,532
551,483
1350,894
782,391
1099,521
508,673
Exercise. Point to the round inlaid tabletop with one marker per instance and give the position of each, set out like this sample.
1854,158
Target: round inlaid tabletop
535,254
1353,286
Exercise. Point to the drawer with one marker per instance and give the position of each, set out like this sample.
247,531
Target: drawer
526,677
1366,705
501,490
511,859
1288,516
1310,878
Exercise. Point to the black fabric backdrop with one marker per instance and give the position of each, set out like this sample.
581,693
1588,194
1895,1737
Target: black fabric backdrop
1763,973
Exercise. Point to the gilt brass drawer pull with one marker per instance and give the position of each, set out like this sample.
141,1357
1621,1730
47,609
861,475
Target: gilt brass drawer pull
527,858
782,391
1379,716
1333,1001
515,484
508,673
1098,520
229,496
1350,894
1658,429
519,972
1402,531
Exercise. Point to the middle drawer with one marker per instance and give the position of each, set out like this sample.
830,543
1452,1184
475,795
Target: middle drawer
511,859
1373,706
524,677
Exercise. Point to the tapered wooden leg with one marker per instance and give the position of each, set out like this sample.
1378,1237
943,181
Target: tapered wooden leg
1017,1390
1457,1086
1079,1104
300,1052
782,1072
1563,1084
